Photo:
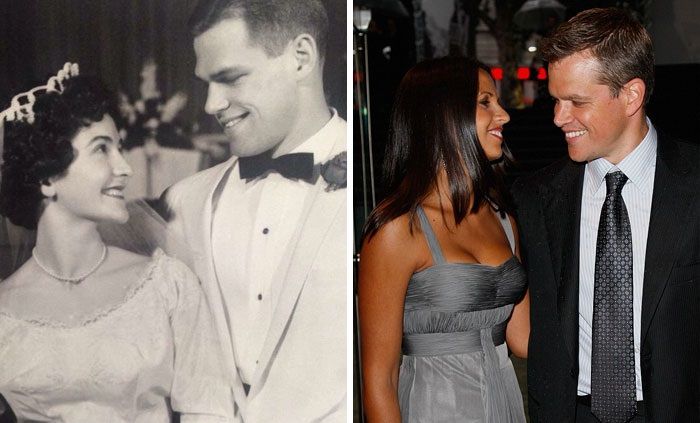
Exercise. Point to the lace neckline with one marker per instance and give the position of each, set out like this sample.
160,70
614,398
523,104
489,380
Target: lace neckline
102,312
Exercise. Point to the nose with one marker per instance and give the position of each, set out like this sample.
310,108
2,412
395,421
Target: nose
562,114
216,100
120,167
502,117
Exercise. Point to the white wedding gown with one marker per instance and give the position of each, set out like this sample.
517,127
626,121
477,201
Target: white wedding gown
132,362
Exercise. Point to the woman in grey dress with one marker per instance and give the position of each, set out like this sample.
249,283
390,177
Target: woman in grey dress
442,294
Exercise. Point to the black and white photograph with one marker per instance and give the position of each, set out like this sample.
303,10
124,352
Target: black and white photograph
173,211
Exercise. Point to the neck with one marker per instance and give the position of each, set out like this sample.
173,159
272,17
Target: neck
67,246
630,139
441,197
313,114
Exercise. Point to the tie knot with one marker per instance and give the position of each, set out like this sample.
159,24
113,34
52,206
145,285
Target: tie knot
614,181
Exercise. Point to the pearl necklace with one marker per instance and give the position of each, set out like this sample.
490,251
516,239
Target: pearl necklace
73,280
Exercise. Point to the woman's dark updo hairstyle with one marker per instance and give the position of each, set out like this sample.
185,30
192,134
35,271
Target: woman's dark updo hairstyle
433,124
34,152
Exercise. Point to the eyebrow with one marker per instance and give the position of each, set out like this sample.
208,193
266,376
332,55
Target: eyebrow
575,97
235,71
487,92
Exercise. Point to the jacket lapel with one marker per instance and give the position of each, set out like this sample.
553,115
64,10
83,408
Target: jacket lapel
670,205
202,249
561,202
320,210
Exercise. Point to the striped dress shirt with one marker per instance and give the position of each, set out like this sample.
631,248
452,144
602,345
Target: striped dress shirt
639,166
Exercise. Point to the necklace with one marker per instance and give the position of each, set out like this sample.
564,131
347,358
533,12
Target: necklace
76,279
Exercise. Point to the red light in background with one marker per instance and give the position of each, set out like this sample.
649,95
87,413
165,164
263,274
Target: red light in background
497,73
523,73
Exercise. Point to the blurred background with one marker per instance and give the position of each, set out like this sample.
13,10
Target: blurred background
390,36
141,49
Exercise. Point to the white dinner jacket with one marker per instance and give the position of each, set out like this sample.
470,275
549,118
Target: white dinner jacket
301,374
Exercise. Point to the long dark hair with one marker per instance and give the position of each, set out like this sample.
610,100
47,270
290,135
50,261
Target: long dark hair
433,124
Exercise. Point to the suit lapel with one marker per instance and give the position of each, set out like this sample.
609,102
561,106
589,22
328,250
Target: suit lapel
670,205
206,263
561,202
320,210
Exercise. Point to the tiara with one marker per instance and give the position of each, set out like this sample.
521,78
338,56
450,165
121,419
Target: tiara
22,105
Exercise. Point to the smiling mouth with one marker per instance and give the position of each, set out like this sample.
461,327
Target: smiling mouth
116,192
574,134
230,123
496,132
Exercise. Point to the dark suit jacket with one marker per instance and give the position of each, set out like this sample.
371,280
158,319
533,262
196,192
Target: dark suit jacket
548,210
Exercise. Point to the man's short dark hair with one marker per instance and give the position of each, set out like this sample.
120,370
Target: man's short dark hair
272,24
620,43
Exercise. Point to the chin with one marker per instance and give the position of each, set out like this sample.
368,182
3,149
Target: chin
118,216
577,156
495,156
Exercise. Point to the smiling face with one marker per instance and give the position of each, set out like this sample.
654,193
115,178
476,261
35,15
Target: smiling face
92,186
490,117
595,123
253,96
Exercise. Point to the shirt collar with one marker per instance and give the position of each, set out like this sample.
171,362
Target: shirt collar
319,143
638,166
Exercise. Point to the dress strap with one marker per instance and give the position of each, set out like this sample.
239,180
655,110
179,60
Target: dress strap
508,228
427,229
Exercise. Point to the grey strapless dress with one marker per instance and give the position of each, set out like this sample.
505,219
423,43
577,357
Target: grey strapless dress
455,365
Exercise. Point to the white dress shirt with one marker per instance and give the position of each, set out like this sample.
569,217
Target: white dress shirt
252,228
639,167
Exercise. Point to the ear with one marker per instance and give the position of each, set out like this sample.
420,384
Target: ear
48,188
634,92
305,54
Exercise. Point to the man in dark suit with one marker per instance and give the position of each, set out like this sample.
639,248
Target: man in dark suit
611,240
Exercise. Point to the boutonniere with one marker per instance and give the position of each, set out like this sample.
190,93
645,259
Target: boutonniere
335,172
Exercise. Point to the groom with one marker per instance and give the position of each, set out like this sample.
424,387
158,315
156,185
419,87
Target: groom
268,227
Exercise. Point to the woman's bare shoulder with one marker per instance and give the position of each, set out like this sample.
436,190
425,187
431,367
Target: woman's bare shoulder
397,243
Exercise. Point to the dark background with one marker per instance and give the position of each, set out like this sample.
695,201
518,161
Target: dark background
112,38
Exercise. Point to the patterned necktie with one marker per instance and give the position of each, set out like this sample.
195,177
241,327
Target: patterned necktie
613,388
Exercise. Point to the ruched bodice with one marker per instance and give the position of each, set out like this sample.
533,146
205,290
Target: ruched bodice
455,365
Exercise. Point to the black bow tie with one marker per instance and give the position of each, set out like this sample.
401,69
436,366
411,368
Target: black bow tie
292,166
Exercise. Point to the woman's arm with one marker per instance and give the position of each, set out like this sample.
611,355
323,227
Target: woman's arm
518,329
386,266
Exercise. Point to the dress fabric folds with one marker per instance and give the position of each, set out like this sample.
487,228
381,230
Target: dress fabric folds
455,365
134,362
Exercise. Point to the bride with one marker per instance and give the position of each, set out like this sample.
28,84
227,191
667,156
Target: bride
91,332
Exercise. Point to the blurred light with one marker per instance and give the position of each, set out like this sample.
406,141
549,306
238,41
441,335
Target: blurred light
386,52
542,74
361,18
532,49
523,73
